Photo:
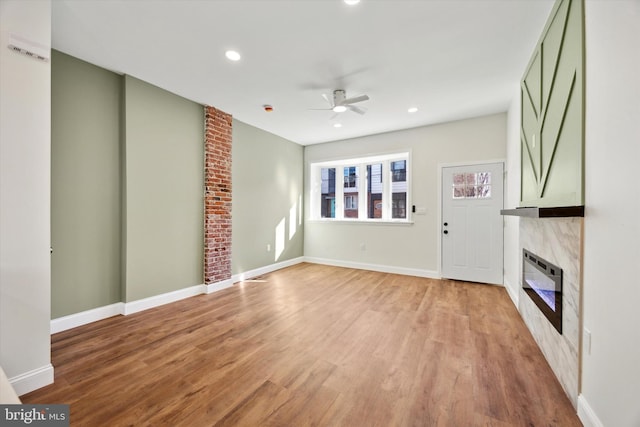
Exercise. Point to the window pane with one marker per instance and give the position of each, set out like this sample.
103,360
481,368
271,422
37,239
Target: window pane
399,171
351,206
470,178
351,191
374,190
351,177
458,192
398,189
458,179
399,205
483,191
484,178
328,193
470,192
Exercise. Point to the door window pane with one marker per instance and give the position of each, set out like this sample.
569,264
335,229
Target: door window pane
471,185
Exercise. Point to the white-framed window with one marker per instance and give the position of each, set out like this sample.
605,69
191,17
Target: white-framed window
374,188
351,203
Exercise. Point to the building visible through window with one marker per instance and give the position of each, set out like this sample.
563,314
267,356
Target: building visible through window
328,198
369,188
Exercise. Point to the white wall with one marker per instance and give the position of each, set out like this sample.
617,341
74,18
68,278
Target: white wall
512,257
611,373
410,249
25,158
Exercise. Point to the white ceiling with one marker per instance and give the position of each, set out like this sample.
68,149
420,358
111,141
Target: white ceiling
452,59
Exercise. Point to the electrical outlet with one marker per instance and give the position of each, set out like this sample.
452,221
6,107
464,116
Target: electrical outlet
268,247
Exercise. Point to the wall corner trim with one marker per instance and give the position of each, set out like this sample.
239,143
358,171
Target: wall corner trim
586,413
32,380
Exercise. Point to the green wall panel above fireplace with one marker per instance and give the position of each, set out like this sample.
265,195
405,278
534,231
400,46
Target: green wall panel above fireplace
552,96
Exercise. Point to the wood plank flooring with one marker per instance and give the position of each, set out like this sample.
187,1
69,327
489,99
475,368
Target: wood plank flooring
312,345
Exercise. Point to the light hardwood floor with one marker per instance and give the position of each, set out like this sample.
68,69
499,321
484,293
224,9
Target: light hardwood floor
312,345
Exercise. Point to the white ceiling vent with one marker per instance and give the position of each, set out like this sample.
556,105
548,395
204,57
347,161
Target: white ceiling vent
28,48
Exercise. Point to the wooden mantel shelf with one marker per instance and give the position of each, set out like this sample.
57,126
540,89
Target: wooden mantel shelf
555,212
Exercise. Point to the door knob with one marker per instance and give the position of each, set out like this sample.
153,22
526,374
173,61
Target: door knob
446,232
446,223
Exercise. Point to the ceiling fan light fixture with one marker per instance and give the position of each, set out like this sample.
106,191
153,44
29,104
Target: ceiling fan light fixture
337,125
339,109
232,55
412,110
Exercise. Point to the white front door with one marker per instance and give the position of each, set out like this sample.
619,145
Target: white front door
472,229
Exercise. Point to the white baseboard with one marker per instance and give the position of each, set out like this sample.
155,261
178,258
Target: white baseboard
120,308
162,299
32,380
78,319
375,267
266,269
586,413
218,286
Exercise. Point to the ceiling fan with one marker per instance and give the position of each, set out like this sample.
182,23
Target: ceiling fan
341,103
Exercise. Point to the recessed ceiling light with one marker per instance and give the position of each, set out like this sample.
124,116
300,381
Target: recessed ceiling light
352,2
232,55
339,109
412,109
337,125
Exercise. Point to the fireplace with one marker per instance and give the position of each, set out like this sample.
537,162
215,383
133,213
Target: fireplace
542,281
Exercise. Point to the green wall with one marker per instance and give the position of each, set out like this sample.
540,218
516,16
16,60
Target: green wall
267,194
85,186
164,137
127,192
552,113
127,188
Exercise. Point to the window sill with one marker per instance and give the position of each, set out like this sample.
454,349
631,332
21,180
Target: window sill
358,221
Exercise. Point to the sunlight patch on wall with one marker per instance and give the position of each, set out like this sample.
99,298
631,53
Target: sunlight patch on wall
292,220
280,238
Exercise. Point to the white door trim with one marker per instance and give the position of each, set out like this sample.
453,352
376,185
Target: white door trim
439,184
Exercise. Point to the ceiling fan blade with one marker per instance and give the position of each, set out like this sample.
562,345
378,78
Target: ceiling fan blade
320,109
326,98
355,109
356,99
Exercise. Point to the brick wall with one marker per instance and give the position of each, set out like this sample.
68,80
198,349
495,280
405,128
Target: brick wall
217,199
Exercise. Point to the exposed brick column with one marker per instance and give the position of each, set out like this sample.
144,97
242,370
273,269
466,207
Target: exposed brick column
217,196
